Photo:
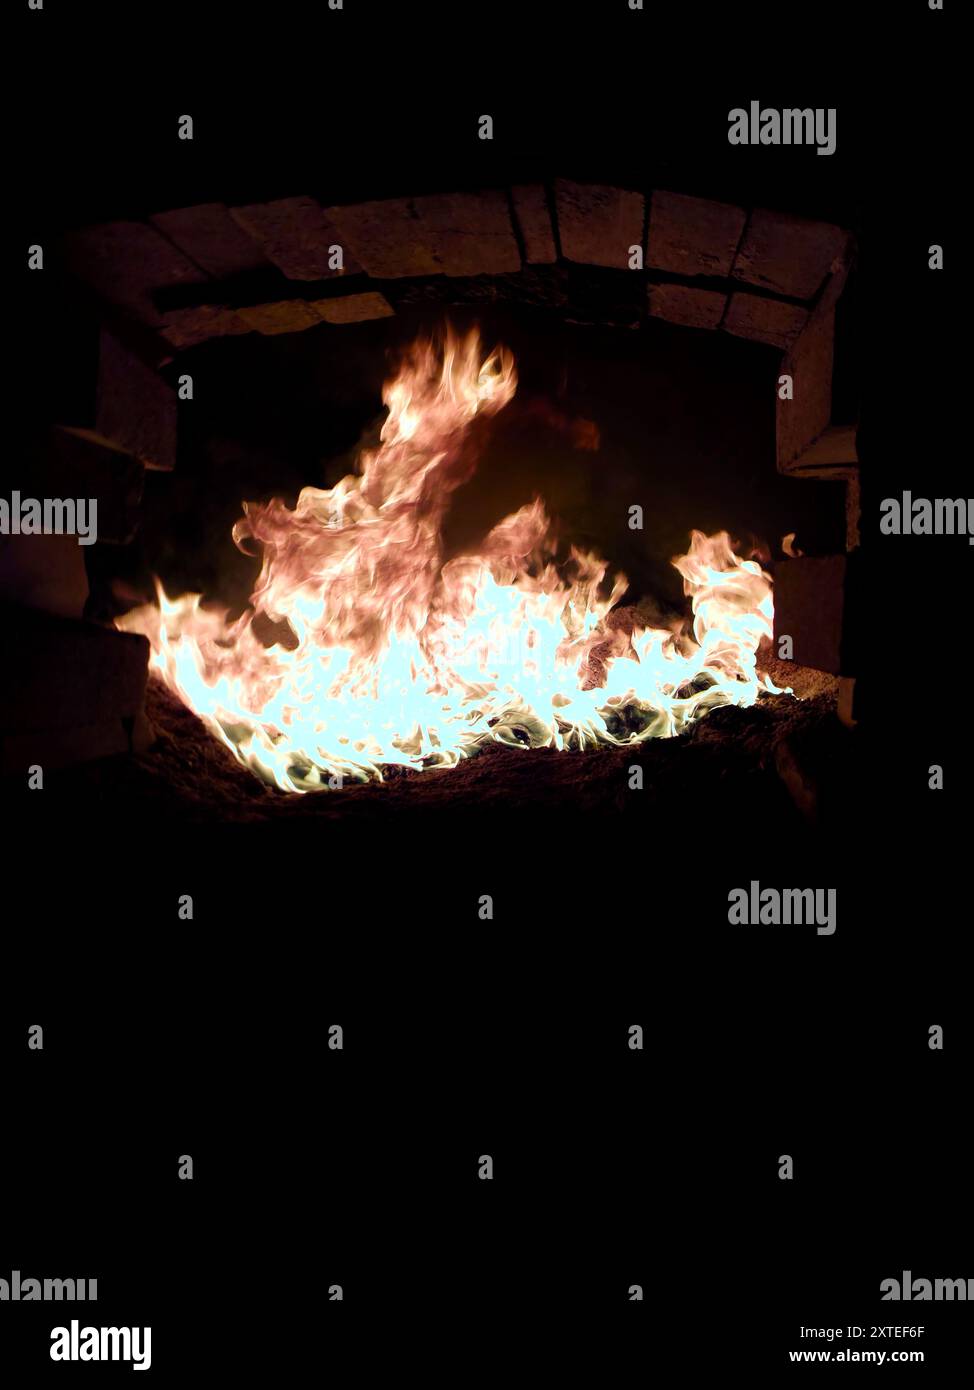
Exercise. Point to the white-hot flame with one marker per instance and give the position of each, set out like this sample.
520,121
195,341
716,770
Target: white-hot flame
391,656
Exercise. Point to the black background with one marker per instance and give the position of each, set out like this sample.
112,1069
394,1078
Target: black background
612,1167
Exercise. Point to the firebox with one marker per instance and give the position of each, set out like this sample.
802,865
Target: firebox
387,494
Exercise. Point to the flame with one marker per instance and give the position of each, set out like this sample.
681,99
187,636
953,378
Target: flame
388,655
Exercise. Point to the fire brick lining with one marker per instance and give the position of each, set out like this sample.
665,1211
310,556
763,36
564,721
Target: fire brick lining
190,276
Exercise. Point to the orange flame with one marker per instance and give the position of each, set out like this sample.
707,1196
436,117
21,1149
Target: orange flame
393,657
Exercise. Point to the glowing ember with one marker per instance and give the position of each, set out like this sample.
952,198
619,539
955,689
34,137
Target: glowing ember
392,656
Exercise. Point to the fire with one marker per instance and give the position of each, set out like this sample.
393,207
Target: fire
387,655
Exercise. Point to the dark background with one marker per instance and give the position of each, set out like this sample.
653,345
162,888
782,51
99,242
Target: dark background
358,1167
462,1037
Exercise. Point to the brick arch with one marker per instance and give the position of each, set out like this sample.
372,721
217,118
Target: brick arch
189,275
